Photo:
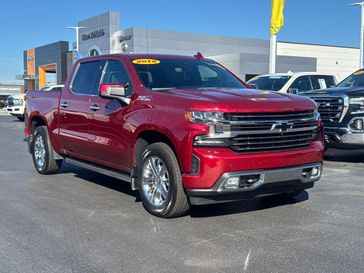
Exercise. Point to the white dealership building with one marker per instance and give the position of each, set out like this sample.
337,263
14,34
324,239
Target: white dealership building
102,34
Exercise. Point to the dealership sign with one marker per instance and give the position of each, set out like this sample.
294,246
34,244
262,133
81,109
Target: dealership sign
122,38
93,34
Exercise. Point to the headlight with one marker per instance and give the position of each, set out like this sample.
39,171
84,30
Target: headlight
21,102
357,105
204,117
316,114
357,101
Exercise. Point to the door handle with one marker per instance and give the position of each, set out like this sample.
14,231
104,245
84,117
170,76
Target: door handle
94,107
64,104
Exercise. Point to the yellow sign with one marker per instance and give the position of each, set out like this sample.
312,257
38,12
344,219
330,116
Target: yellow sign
146,61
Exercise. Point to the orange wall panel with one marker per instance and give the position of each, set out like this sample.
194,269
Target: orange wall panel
31,61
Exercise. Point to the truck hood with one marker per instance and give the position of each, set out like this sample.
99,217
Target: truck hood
242,100
337,91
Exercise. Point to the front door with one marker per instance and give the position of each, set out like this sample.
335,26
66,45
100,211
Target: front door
110,134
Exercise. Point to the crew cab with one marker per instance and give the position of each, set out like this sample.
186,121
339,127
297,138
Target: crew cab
342,112
294,83
182,130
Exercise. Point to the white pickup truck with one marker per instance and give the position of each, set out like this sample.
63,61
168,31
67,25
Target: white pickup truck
294,83
16,103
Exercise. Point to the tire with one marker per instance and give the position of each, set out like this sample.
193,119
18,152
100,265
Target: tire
160,182
43,154
21,118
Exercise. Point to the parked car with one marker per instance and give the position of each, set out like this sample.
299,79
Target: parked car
48,88
342,111
3,99
16,106
182,130
294,82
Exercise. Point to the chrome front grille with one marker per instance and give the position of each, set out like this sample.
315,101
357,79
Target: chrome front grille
330,108
269,116
260,132
276,141
10,102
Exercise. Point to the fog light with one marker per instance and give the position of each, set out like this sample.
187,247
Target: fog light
357,124
315,172
232,183
248,180
311,173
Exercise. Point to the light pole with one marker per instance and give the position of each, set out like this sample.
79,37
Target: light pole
361,4
77,29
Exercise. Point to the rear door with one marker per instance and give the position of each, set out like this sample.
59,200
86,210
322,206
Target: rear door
75,109
110,134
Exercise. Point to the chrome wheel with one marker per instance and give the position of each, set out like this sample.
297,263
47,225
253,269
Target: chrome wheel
39,152
155,180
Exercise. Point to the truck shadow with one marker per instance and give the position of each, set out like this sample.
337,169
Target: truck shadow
100,179
349,156
203,211
260,203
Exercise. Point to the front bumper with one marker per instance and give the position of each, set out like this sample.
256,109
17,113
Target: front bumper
276,167
17,111
276,181
336,137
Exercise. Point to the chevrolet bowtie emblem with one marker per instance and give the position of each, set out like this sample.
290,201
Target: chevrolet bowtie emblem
282,126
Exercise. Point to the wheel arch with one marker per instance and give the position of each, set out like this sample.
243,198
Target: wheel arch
149,136
36,121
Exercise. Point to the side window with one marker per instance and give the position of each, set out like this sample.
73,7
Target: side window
206,73
57,89
115,72
302,84
322,82
87,78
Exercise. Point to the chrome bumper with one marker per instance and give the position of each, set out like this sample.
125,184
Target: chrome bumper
258,183
344,136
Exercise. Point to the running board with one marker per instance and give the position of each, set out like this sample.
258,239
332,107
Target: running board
92,167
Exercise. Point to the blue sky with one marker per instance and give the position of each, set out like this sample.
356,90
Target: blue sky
27,24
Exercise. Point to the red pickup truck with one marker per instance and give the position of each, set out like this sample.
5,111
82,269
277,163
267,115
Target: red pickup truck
182,130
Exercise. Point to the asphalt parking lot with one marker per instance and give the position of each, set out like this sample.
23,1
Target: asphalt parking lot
79,221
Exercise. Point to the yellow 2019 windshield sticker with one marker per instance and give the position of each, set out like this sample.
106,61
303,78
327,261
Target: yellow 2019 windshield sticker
146,61
360,72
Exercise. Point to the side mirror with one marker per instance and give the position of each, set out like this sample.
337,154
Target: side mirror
112,90
293,91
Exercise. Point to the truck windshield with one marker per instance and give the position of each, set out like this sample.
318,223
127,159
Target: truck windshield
354,80
183,73
274,83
